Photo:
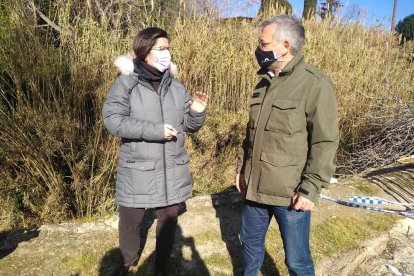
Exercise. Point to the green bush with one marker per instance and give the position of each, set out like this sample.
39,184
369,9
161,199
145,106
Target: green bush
406,27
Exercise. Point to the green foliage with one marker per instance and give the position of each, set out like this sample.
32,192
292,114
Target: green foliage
329,7
81,262
309,9
4,20
406,27
341,234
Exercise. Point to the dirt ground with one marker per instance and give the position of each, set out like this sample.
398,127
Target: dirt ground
389,254
207,237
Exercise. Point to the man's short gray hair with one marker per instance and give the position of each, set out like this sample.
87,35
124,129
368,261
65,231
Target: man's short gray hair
289,28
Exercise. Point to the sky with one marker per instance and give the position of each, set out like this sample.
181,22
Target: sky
376,12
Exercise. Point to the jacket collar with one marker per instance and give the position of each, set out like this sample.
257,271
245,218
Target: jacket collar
290,67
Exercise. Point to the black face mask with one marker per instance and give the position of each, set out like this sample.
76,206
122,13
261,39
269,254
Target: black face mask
265,58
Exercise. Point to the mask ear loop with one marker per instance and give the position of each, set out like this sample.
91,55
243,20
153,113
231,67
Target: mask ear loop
278,58
283,55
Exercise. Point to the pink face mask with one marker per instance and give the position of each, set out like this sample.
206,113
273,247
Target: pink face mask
163,60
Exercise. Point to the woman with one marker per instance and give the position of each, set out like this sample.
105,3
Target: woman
150,111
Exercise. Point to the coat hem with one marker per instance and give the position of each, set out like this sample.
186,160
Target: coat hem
153,205
270,200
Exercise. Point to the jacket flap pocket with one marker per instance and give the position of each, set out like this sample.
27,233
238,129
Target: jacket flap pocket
139,165
279,160
254,101
285,104
182,160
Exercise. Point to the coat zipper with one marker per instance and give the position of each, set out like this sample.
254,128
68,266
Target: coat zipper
163,152
163,146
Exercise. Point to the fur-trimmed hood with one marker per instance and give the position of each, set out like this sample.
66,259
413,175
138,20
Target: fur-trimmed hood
125,64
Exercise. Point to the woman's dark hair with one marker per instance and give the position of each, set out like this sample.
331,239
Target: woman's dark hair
145,40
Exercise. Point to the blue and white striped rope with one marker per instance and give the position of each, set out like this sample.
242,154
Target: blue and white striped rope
373,200
351,204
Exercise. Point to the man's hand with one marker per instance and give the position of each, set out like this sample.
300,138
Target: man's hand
170,132
199,102
300,203
240,185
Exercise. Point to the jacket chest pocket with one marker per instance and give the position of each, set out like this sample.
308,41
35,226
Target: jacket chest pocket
283,117
254,112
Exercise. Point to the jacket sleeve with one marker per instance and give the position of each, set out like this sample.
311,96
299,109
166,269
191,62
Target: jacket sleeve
193,121
323,139
243,151
118,122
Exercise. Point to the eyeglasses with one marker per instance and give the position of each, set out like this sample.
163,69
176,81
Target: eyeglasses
264,44
160,48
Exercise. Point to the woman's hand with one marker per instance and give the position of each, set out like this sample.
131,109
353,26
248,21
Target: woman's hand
199,102
170,132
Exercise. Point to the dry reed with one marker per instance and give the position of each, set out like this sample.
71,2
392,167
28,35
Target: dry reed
58,162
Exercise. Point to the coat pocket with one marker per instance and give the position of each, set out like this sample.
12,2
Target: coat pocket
141,179
254,112
283,117
181,171
280,174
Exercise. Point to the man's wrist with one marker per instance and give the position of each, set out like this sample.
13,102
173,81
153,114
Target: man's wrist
308,193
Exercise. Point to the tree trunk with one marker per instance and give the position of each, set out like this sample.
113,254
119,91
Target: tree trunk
394,12
309,9
280,4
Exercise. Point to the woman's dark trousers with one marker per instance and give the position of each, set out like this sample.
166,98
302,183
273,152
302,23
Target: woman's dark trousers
130,220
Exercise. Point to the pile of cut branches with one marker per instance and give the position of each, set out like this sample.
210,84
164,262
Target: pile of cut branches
389,136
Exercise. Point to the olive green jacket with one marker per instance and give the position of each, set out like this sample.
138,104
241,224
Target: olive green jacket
291,137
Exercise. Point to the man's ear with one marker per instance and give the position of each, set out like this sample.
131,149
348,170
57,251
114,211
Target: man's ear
286,44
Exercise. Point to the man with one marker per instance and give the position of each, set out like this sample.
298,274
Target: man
290,144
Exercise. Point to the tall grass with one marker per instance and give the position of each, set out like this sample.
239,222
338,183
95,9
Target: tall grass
58,162
368,67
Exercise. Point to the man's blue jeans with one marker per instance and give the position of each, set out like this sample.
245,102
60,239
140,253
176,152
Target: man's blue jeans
294,228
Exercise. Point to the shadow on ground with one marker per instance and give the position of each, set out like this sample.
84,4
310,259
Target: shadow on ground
228,206
9,240
112,263
397,181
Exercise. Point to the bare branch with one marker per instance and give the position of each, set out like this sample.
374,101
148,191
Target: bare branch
48,21
388,137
